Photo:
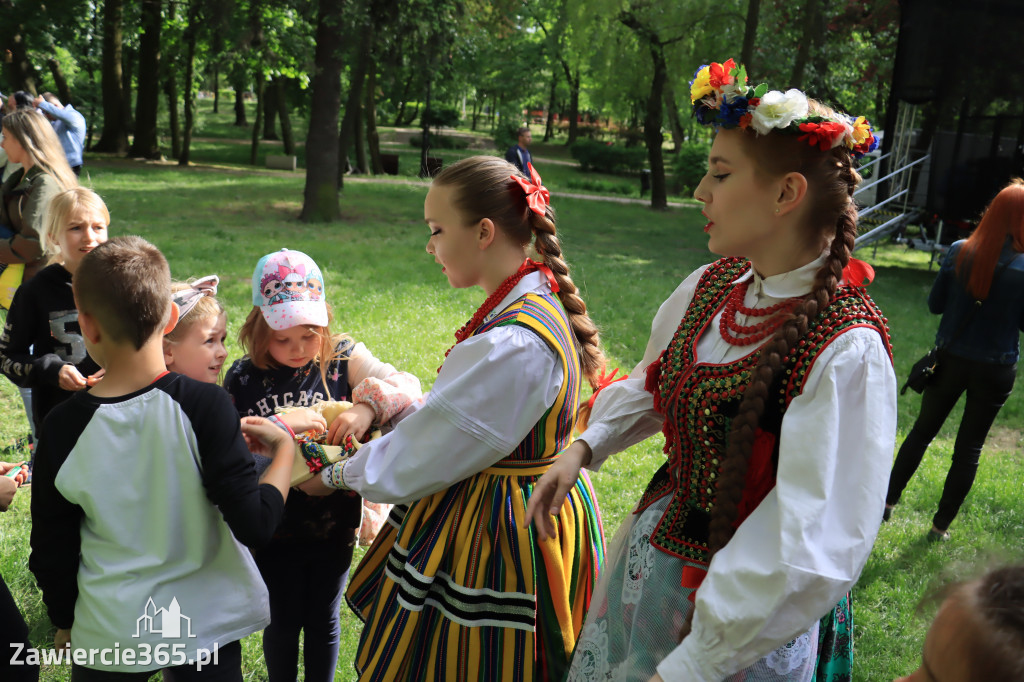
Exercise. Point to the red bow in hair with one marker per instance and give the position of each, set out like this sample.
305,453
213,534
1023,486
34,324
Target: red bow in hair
858,273
537,196
603,382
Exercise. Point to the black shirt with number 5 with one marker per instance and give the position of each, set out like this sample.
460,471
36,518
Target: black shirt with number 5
41,336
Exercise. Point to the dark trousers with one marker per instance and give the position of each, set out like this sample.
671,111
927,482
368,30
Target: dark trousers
228,669
306,580
13,631
987,387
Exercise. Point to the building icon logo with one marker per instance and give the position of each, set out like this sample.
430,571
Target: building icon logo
164,622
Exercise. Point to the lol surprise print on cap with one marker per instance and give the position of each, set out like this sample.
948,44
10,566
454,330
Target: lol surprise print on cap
289,289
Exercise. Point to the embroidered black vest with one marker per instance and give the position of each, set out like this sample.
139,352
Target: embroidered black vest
699,402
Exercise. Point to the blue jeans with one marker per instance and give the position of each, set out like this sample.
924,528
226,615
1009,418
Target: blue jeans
987,387
306,580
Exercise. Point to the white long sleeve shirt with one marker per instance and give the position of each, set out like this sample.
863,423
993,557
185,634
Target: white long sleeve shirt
805,545
492,390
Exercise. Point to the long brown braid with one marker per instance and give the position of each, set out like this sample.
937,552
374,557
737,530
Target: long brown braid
484,189
831,180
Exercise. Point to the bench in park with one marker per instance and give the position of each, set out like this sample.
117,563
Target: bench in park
282,161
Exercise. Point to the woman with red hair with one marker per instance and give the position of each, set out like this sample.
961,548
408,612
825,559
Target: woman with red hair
979,292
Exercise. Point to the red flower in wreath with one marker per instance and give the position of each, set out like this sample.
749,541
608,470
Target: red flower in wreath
823,135
721,74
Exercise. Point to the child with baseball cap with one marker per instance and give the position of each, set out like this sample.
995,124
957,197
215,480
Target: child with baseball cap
293,359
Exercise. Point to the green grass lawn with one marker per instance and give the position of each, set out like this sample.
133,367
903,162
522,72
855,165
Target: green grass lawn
387,292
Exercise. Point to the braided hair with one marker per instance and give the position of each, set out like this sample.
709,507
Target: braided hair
831,180
484,188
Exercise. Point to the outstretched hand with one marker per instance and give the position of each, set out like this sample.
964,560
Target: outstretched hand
549,492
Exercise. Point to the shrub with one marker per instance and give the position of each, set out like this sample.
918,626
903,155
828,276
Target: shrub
442,117
602,186
606,158
440,142
692,163
506,135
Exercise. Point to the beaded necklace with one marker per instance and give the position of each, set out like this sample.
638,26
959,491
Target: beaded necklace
494,299
756,332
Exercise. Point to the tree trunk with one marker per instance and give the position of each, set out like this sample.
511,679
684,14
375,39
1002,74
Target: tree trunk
425,132
269,103
476,113
191,32
216,88
652,128
127,71
287,136
238,84
114,137
320,202
61,83
574,107
22,73
672,114
147,143
171,88
811,18
360,129
261,93
750,34
549,127
372,136
349,135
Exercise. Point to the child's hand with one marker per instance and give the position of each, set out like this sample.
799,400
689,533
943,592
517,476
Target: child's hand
20,477
353,422
315,487
8,487
62,639
263,438
304,420
71,379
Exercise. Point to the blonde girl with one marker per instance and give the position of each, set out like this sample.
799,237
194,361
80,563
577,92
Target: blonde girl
42,347
195,347
293,359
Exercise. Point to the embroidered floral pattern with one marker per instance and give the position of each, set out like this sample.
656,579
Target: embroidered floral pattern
791,656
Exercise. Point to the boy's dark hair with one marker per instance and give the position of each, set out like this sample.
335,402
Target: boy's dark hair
125,284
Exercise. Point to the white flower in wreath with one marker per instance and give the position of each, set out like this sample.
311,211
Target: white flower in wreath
590,662
778,110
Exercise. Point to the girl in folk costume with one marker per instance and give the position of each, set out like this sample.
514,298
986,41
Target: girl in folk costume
770,373
457,586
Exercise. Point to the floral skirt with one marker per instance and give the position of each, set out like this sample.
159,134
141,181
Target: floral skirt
639,608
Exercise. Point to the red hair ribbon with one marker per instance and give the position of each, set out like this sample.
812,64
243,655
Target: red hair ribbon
603,382
546,271
858,273
537,196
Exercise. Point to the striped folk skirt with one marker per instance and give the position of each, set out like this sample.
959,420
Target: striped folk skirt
457,586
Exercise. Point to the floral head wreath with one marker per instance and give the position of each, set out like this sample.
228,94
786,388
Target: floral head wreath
721,97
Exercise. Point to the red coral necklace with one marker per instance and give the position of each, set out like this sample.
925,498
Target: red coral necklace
494,299
744,335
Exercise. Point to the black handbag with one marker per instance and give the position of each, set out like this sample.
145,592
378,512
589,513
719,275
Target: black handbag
922,372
